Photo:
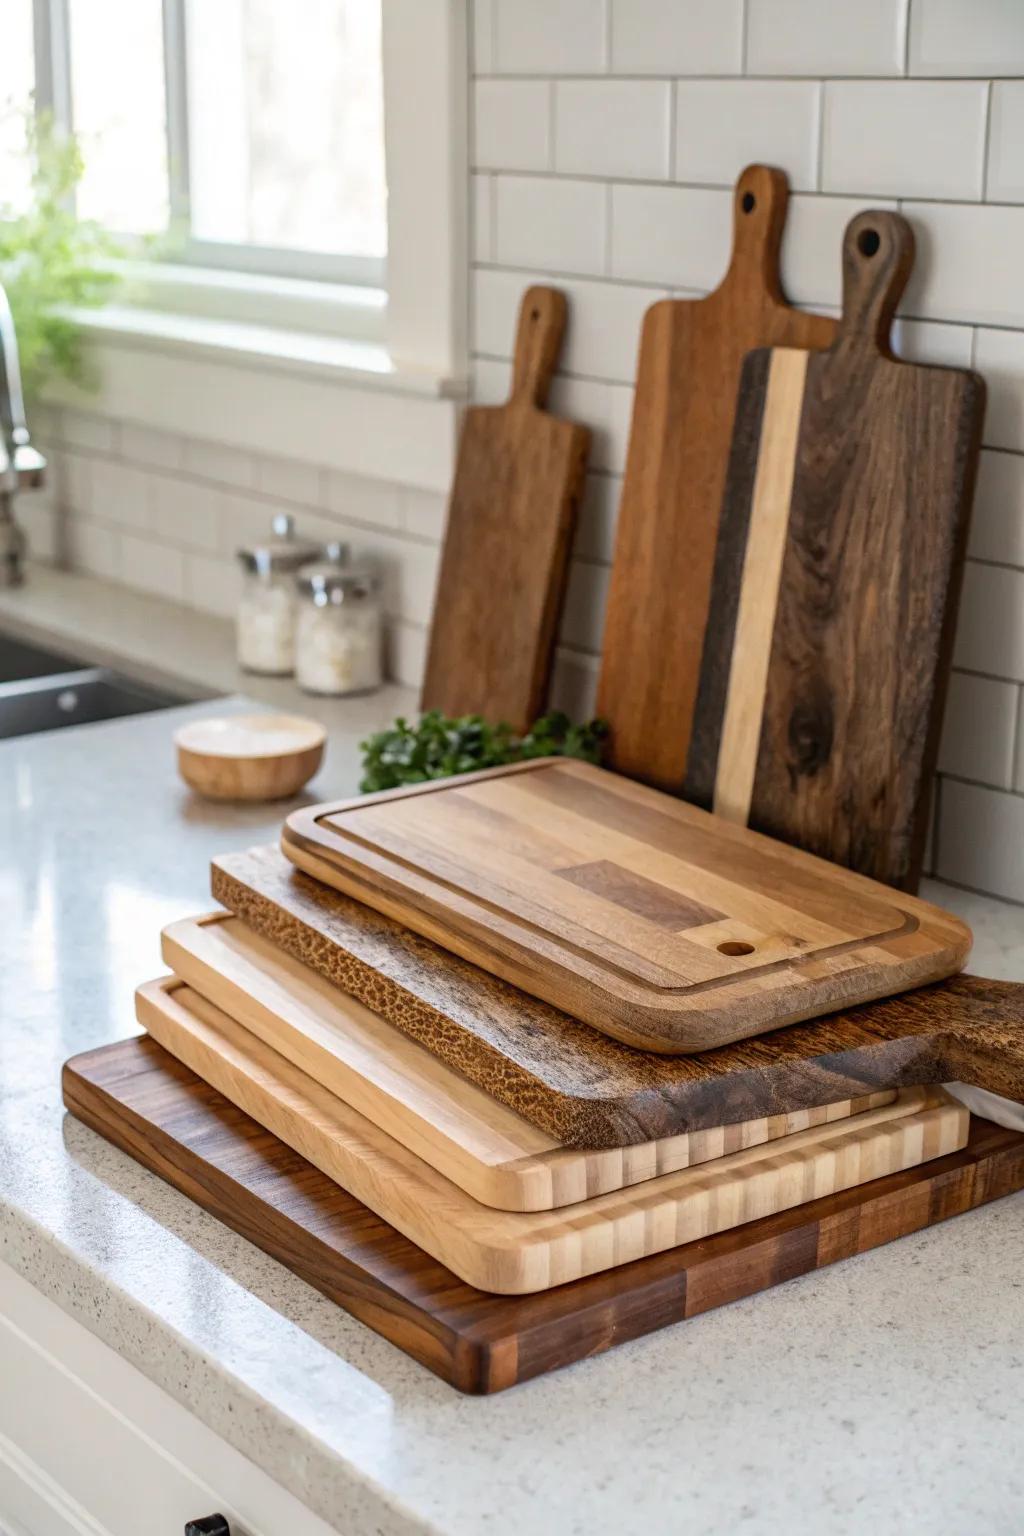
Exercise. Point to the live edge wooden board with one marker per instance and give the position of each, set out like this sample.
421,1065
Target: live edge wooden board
506,550
482,1146
160,1113
836,579
649,919
515,1252
691,352
586,1089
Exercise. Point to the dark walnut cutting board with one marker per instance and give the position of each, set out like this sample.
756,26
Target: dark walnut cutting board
170,1121
656,923
691,353
517,483
836,581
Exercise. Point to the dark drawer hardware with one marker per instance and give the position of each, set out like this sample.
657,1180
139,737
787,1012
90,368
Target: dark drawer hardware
209,1525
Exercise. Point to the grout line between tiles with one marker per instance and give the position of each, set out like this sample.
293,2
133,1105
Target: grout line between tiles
986,142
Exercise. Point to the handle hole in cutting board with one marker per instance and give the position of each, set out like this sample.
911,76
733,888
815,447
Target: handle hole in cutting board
735,947
748,202
868,242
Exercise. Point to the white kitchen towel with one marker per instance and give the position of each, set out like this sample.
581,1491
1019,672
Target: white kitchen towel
990,1106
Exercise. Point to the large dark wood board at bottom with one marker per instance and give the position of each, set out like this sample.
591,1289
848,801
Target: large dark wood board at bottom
148,1104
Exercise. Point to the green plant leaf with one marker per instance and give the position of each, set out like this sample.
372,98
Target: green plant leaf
438,747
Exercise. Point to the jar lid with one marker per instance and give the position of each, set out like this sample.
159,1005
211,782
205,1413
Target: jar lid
333,581
282,551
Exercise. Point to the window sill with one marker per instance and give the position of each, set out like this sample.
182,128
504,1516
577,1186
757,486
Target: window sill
340,403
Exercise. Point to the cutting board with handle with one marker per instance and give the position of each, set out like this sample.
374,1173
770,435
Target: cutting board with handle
517,483
649,919
836,580
513,1253
691,353
587,1089
490,1152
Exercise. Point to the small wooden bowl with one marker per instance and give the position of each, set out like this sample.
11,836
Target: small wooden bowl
249,757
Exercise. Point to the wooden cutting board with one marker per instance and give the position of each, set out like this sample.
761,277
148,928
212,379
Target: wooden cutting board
489,1151
160,1113
691,352
836,581
585,1088
512,1252
517,483
665,927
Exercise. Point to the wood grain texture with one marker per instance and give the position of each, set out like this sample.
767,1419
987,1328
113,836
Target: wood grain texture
488,1150
160,1113
691,352
518,479
870,474
585,1088
513,1252
490,865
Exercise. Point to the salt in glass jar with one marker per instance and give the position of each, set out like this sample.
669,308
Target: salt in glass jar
266,608
339,629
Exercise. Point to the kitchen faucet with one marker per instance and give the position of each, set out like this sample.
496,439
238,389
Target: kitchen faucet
22,467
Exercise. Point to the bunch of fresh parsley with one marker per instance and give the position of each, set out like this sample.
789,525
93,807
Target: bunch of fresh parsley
438,746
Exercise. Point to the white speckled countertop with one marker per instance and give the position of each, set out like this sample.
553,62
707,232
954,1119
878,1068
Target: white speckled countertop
881,1395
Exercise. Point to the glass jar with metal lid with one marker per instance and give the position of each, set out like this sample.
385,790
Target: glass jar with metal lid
266,608
339,630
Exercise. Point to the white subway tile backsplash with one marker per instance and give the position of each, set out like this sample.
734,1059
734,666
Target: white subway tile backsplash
979,37
605,409
43,525
550,224
482,36
480,205
96,434
978,730
990,630
929,341
245,521
92,547
981,839
999,357
583,615
490,380
512,125
603,330
72,474
409,574
574,684
679,236
820,37
218,461
677,37
212,584
1005,181
969,262
364,501
812,246
289,480
723,125
997,527
613,128
152,567
595,523
549,37
407,653
146,445
424,514
121,494
185,513
904,138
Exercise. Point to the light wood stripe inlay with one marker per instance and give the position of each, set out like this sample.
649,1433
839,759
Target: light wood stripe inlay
759,592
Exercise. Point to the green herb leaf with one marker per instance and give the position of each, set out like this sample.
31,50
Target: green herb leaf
439,747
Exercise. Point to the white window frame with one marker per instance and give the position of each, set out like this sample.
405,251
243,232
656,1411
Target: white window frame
188,355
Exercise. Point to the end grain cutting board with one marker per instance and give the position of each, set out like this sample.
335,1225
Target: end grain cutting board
836,581
506,549
665,927
489,1151
691,352
513,1253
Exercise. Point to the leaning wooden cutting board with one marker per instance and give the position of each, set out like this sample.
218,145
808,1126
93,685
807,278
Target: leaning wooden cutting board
513,1253
151,1106
581,1086
489,1151
691,352
517,483
665,927
836,581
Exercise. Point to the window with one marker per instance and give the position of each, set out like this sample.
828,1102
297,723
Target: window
246,135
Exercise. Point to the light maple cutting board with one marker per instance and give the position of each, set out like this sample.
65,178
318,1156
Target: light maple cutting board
665,927
517,483
488,1150
691,353
836,581
513,1253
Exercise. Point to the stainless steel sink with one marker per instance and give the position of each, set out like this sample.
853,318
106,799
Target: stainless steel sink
44,691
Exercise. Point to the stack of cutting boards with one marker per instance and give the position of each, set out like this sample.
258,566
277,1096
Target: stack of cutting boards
522,1064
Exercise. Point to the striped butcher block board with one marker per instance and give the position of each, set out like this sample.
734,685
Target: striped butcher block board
665,927
836,581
